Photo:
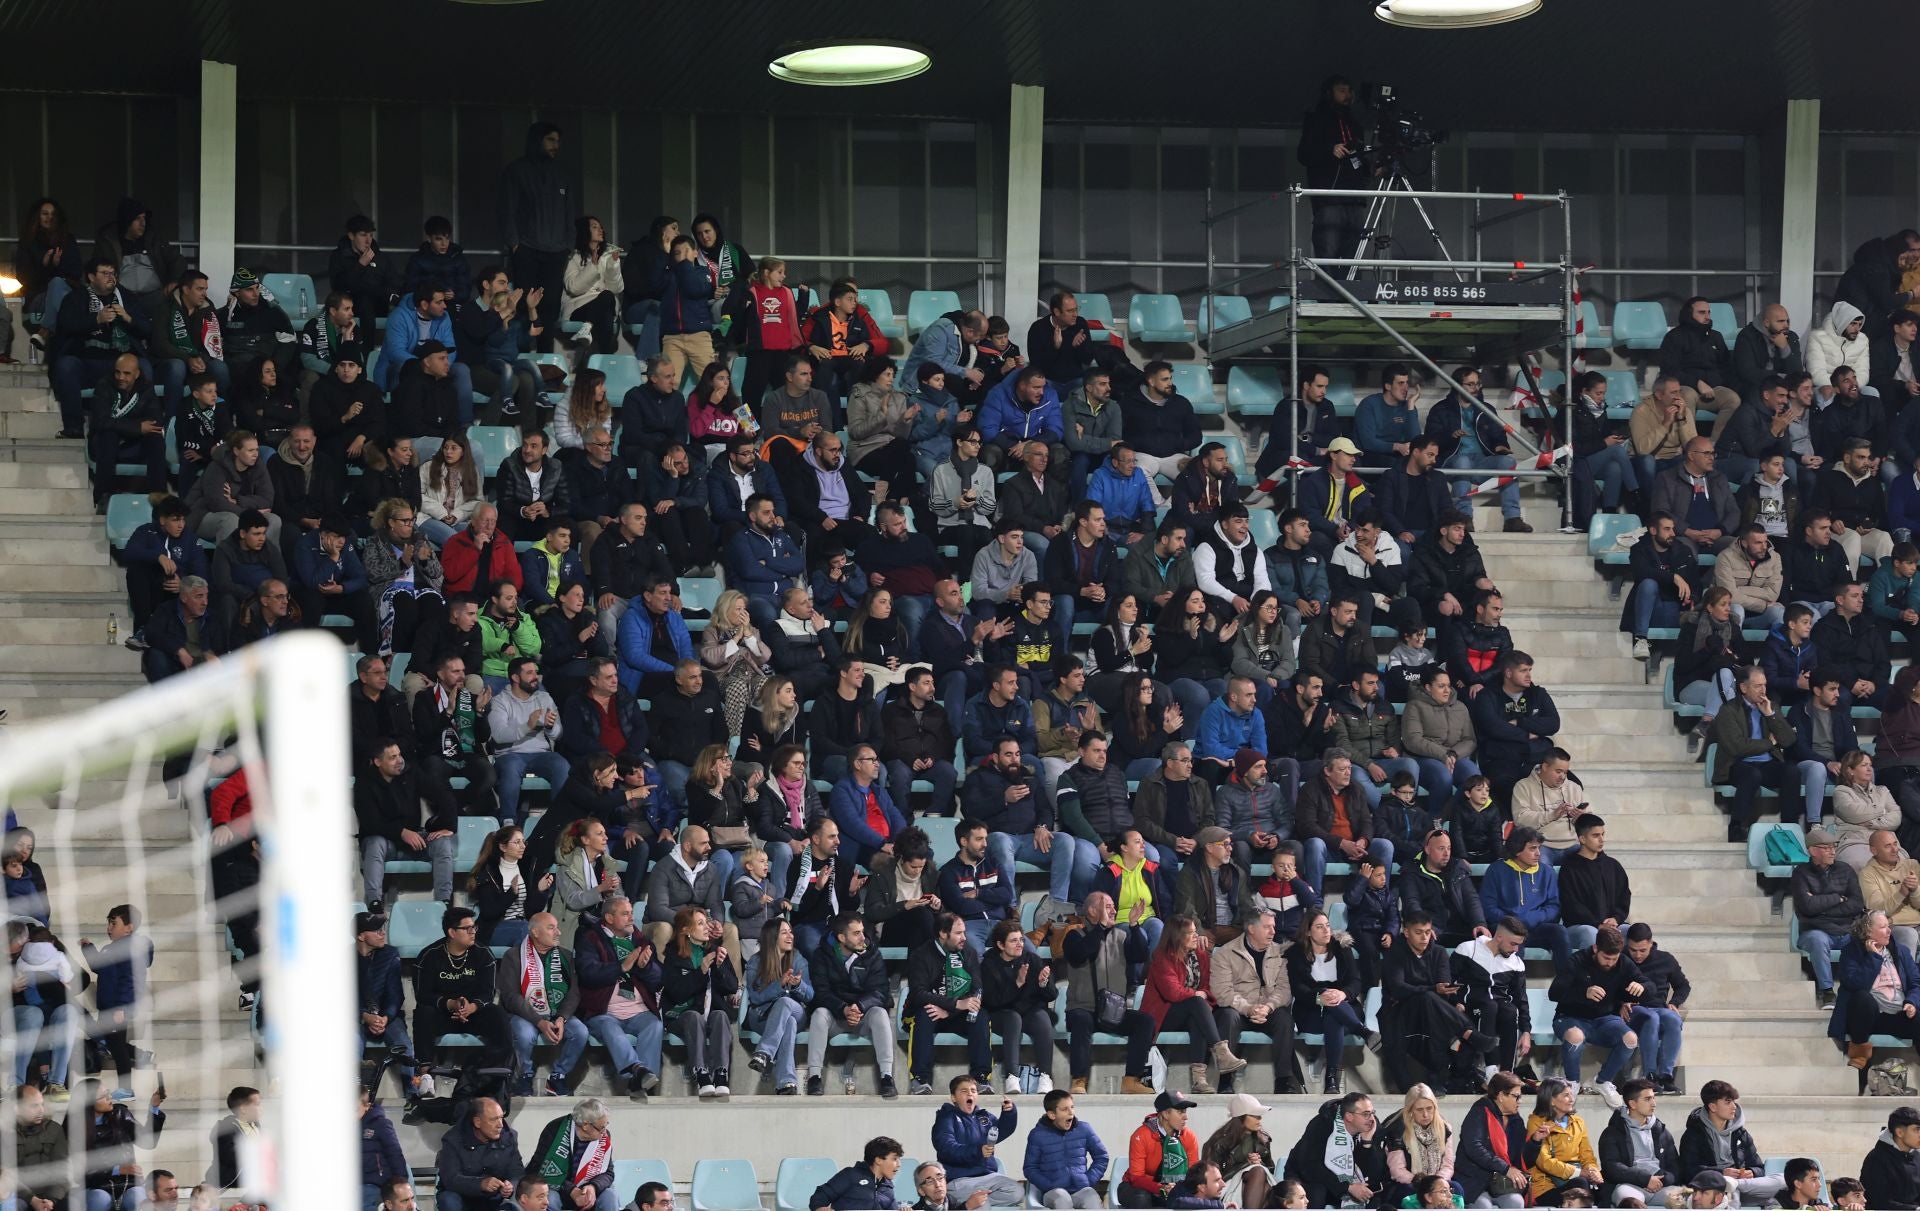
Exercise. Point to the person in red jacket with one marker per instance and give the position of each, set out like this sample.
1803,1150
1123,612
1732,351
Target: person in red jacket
1160,1152
1179,997
480,555
236,867
775,331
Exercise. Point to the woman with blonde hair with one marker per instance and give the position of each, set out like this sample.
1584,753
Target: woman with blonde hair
1863,807
774,719
734,654
449,490
1419,1142
585,406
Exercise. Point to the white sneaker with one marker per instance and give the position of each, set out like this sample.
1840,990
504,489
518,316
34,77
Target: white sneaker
1012,1086
1608,1094
1642,650
707,1091
1043,1084
425,1088
584,336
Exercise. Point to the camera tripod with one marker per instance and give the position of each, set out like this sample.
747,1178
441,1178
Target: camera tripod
1381,209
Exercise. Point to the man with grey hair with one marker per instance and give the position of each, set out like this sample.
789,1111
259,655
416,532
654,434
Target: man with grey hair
539,988
1251,988
620,981
182,633
574,1156
930,1180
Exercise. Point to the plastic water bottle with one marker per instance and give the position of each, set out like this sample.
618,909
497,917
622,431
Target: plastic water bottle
113,630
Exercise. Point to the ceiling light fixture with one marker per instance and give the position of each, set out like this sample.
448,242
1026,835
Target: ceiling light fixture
1453,14
846,64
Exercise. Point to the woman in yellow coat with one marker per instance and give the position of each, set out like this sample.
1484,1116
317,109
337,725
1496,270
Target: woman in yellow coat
1566,1158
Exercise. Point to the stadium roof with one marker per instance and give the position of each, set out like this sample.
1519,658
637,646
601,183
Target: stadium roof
1578,65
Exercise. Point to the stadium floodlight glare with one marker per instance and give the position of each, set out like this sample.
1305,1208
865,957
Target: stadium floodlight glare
845,64
9,286
1453,14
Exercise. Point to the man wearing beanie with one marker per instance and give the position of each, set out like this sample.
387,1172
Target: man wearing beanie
253,328
347,410
427,401
1256,807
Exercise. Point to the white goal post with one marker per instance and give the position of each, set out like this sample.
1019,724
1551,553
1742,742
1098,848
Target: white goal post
108,788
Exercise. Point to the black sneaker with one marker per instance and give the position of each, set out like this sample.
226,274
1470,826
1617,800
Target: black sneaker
816,1087
1825,998
637,1083
888,1089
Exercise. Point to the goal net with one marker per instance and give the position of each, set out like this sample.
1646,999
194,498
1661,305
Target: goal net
215,806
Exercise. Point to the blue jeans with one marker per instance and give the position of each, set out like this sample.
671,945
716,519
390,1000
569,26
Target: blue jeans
396,1037
1334,1023
171,373
1659,1031
646,313
633,1041
508,933
510,768
1440,784
605,1196
1554,937
1819,946
1768,618
1463,461
910,611
29,1022
673,779
1650,611
777,1036
573,1044
436,532
900,778
1579,937
1813,789
1313,859
1614,464
1612,1033
1388,766
1646,466
1070,863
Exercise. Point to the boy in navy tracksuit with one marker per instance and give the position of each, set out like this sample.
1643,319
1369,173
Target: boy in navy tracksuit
120,967
1373,916
148,580
1789,657
202,424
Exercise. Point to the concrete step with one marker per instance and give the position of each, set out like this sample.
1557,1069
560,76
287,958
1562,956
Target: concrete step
85,626
67,659
44,474
1711,856
1704,907
1707,967
1554,563
1541,513
1496,544
1669,775
19,424
1752,999
1520,589
1551,665
64,577
1573,640
1585,746
55,551
55,501
1803,1080
1627,827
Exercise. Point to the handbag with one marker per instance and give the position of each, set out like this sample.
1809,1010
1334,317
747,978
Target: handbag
1109,1007
729,836
1500,1185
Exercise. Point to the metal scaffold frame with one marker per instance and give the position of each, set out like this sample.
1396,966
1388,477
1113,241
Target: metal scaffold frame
1301,267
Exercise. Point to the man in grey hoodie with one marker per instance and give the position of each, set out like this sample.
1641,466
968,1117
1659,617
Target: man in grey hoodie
1637,1156
1001,567
1717,1138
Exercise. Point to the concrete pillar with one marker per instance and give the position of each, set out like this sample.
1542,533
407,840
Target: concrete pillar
1799,199
1025,112
219,107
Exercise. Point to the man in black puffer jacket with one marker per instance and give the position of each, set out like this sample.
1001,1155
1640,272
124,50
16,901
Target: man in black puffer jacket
1440,886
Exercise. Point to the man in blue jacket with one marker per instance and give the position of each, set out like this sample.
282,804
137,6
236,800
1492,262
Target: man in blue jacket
944,343
974,886
328,578
867,1186
1064,1157
965,1138
416,318
763,562
1524,887
733,482
1228,725
1121,488
156,556
1387,421
860,805
653,639
1021,409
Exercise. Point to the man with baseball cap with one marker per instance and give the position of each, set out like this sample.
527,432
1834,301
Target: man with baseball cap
1333,498
383,1019
1827,899
1211,889
1160,1152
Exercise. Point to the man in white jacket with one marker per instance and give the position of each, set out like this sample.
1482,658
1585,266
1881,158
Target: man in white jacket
1839,342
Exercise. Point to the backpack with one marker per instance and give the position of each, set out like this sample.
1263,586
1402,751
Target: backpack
1784,848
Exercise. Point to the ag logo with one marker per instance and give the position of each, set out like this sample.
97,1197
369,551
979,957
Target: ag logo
1385,292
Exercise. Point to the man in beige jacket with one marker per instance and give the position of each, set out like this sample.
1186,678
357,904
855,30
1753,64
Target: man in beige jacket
1548,801
1890,883
1660,427
1752,571
1250,987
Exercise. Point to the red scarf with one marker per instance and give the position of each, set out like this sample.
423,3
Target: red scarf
1497,1138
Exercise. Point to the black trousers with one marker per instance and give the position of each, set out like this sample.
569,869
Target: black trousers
1749,776
235,873
144,594
1865,1018
1201,1021
315,605
1499,1020
531,267
489,1022
108,448
1136,1026
921,1032
688,534
604,314
1279,1031
1337,227
478,798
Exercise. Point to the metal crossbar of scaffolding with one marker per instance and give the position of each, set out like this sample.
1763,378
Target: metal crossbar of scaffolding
1482,308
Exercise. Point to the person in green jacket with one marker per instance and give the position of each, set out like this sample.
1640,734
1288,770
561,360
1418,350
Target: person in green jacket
505,633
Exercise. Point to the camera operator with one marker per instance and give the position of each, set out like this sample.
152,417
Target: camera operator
1330,143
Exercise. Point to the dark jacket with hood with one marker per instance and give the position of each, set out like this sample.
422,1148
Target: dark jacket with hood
1852,648
1434,572
112,243
1755,356
425,406
1703,1146
372,286
1447,896
1694,353
1892,1177
1444,420
447,271
1621,1166
1872,283
534,207
1323,128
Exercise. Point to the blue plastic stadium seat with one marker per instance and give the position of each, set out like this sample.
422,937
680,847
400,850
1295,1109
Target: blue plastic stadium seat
879,305
725,1185
564,361
1549,379
1757,849
1236,455
1591,334
473,833
491,445
1623,388
424,448
1195,381
1156,318
1725,322
800,1176
926,306
629,1176
699,593
1605,529
1641,325
295,293
624,372
1255,390
1226,310
1278,301
126,512
1096,307
1263,525
413,925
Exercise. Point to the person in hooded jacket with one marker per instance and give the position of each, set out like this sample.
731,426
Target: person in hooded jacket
1767,346
360,269
1839,340
536,221
1637,1156
347,408
439,263
1873,279
253,326
1695,353
1891,1171
1329,149
148,266
1716,1138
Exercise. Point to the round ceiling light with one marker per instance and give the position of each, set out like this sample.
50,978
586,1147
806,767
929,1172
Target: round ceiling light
1453,14
844,64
